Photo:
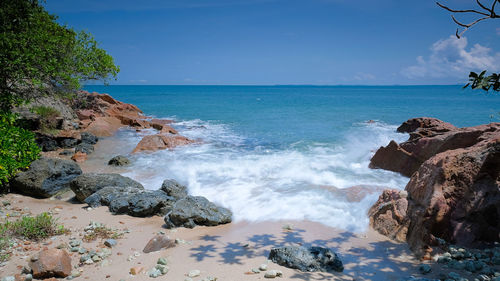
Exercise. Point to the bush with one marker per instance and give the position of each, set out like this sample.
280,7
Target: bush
32,228
17,148
46,112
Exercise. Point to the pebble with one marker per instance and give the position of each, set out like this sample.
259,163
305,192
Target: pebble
110,243
8,278
75,243
271,274
162,261
162,268
136,270
26,270
263,267
28,277
255,270
82,251
75,249
153,273
188,279
89,261
194,273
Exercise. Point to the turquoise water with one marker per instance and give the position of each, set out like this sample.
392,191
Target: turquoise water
285,152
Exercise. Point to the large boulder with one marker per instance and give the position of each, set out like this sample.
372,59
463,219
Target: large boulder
159,142
104,126
45,177
85,185
388,214
307,259
51,263
428,137
132,201
455,196
196,210
174,189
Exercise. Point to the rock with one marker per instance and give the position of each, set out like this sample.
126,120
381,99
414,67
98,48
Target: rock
85,185
85,148
424,268
196,210
66,152
168,130
174,189
160,142
388,214
51,263
68,142
194,273
119,160
104,126
162,261
162,268
455,196
428,137
149,203
89,138
271,274
9,278
110,243
136,270
307,259
157,243
154,273
46,142
263,267
79,157
45,177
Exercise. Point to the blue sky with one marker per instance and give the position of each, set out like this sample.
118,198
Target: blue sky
263,42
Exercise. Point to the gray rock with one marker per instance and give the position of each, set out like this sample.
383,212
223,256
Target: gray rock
307,259
119,160
9,278
89,138
46,142
86,184
174,189
45,177
196,210
110,243
66,152
84,147
424,268
67,142
132,201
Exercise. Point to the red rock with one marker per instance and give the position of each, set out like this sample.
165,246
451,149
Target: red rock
86,114
388,215
162,121
104,126
159,142
79,157
168,130
51,263
394,158
157,243
432,124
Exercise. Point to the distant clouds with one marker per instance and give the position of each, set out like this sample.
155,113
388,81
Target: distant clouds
451,58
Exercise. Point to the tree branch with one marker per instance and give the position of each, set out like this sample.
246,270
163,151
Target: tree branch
490,15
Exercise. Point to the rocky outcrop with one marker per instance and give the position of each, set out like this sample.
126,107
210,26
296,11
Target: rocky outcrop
51,263
45,177
453,195
428,137
159,142
196,210
85,185
307,259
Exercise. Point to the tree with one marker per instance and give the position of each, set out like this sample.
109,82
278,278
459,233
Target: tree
36,53
484,12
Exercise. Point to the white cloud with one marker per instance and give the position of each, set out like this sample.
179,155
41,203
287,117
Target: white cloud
361,76
451,58
142,81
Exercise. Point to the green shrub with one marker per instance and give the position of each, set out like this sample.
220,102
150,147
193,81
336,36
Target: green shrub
46,112
32,228
17,148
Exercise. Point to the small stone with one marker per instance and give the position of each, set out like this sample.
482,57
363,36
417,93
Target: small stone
263,267
28,277
424,268
75,249
26,270
162,268
62,246
76,273
194,273
84,258
110,243
82,251
162,261
9,278
75,243
154,273
188,279
89,261
136,270
96,258
279,273
255,270
271,274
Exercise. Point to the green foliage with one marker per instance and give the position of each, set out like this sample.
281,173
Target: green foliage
484,82
37,53
32,228
17,148
46,112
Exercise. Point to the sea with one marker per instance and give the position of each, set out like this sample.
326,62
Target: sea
286,153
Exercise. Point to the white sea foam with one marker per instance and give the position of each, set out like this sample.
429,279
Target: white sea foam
259,183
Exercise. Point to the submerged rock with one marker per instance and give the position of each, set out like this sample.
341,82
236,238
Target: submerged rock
307,259
160,142
196,210
45,177
86,184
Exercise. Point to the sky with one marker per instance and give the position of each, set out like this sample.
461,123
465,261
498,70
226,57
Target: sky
269,42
